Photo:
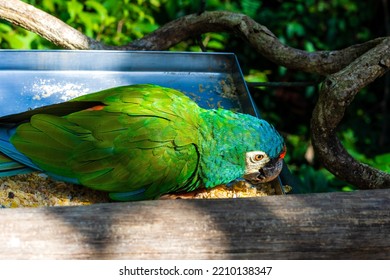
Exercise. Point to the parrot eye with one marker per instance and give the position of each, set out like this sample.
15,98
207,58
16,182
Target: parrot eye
258,157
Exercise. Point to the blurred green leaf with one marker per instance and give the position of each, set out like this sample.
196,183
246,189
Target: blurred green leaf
74,8
5,28
257,76
385,159
382,162
347,189
309,46
294,29
98,7
250,7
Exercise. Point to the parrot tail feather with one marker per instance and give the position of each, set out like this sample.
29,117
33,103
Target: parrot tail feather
12,162
8,167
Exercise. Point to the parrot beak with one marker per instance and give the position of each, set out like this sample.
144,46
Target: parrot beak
266,173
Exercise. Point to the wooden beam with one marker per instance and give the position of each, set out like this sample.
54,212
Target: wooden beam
316,226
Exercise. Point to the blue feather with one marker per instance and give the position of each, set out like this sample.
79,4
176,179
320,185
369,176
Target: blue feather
129,196
63,178
10,151
11,168
21,163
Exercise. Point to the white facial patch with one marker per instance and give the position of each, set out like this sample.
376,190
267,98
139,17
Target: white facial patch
255,160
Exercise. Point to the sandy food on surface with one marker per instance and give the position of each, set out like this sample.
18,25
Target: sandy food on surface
36,190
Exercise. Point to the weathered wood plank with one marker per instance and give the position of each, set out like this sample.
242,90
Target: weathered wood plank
320,226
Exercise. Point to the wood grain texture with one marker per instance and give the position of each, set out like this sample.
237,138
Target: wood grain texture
317,226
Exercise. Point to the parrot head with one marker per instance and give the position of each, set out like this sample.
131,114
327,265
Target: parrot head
260,168
263,149
264,153
241,146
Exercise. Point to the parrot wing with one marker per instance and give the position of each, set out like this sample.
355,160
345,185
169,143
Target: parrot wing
137,142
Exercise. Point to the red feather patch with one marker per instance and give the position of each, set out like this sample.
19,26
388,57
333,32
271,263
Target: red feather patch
96,108
283,153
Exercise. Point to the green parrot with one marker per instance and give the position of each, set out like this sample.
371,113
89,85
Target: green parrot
139,142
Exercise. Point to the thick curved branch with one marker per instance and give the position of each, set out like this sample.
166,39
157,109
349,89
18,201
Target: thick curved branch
45,25
260,38
337,93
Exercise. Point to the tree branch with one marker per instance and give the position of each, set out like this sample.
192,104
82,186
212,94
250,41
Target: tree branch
337,93
45,25
260,38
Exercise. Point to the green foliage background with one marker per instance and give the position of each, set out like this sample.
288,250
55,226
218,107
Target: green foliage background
305,24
